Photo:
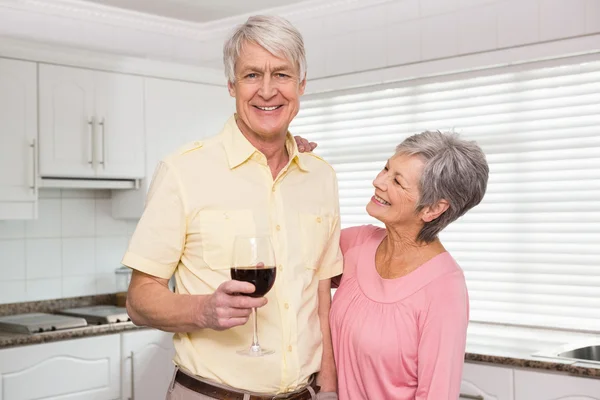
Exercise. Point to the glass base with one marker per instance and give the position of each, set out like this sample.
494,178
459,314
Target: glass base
255,351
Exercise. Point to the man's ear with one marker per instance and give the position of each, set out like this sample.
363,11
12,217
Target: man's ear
431,213
231,88
302,86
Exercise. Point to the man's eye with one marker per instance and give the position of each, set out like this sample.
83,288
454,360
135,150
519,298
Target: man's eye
251,76
282,76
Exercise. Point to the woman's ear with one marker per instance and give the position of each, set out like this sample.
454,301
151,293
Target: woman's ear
431,213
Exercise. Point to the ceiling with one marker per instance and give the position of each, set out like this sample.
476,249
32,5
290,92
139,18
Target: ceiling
197,10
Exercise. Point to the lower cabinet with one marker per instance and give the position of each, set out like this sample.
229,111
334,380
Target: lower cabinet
78,369
485,382
531,385
147,364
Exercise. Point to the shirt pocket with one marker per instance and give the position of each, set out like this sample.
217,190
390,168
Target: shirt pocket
218,229
314,233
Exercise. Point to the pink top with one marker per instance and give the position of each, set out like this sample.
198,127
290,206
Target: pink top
398,338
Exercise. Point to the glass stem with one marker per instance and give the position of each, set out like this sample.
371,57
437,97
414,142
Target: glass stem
255,345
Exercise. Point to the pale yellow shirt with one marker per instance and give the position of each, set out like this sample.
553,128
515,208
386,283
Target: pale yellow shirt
200,199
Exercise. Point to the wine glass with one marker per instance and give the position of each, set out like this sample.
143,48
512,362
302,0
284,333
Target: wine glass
254,262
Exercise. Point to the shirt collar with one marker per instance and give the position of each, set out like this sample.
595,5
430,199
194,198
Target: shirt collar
238,149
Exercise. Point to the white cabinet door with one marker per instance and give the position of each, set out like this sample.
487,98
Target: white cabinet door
484,382
18,136
91,124
67,118
147,364
176,113
120,125
530,385
81,369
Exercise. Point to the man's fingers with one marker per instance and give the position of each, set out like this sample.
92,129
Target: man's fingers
234,287
247,302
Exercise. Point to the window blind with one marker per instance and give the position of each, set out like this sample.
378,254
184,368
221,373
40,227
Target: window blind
531,250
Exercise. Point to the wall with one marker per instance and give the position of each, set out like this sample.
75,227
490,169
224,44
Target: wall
71,250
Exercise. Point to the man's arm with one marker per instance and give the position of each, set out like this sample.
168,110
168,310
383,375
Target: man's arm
151,303
327,377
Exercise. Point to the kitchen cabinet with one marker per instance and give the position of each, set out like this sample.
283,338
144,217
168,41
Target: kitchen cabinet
485,382
532,385
147,364
91,124
18,139
177,113
79,369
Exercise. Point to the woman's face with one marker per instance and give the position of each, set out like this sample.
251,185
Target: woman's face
397,191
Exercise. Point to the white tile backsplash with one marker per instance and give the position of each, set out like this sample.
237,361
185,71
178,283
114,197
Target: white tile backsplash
73,286
105,224
436,7
12,229
43,258
73,248
78,218
48,224
78,256
13,259
109,252
12,253
43,289
13,291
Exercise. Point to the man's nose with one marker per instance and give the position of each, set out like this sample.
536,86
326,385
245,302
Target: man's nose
268,88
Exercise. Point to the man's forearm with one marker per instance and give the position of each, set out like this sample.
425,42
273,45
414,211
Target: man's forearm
327,377
151,303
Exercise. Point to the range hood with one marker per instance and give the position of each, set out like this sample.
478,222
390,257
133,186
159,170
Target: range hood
80,183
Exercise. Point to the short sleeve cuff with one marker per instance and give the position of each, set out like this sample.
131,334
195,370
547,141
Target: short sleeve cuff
330,272
146,266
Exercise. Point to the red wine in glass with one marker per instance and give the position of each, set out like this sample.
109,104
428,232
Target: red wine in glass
262,278
254,261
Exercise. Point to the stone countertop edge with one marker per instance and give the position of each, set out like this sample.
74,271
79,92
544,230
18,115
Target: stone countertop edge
547,365
8,340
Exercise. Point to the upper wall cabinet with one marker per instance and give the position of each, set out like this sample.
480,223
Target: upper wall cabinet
91,124
18,147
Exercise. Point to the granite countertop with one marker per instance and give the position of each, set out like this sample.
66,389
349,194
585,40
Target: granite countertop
509,346
528,347
8,339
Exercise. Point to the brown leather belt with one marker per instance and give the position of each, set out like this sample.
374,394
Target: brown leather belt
224,394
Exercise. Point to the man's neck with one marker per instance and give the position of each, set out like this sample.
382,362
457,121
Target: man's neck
274,150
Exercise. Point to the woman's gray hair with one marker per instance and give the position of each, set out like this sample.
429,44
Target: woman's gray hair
455,170
275,34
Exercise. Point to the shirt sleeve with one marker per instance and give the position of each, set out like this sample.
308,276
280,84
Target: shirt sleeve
442,343
332,262
158,241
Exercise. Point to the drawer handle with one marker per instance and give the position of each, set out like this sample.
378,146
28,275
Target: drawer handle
470,397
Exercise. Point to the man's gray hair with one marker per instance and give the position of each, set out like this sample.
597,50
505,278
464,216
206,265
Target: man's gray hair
275,34
455,170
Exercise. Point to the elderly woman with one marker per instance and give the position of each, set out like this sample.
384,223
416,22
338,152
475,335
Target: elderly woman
400,315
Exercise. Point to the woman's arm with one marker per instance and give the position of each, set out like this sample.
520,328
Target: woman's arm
441,351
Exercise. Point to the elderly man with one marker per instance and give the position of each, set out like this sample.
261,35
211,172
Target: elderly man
249,179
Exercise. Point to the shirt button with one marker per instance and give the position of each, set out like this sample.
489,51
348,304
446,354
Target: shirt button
273,189
290,348
281,268
278,227
287,306
319,220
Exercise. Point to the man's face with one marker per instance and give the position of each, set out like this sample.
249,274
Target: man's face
267,92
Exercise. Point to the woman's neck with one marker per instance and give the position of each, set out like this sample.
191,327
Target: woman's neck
400,253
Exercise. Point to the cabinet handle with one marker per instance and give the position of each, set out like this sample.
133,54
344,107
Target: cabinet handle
103,126
33,146
92,124
132,378
470,397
